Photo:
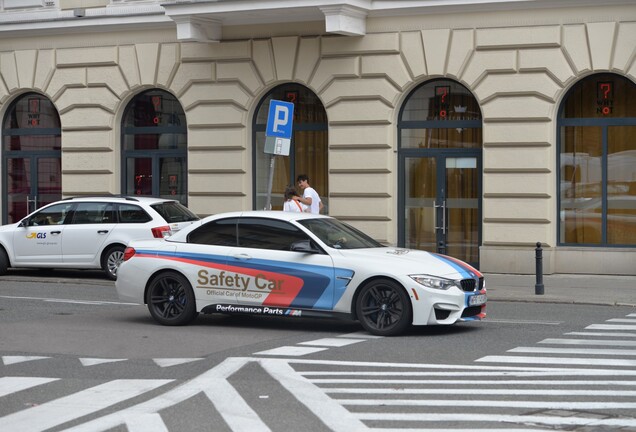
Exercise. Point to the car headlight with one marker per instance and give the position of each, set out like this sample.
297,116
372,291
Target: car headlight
434,282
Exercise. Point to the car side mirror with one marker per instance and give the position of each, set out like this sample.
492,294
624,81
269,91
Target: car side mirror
304,246
24,223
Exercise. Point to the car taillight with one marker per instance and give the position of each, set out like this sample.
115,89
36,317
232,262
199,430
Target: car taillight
129,253
161,232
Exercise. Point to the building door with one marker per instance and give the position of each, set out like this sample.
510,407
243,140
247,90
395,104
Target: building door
440,159
442,204
31,156
154,147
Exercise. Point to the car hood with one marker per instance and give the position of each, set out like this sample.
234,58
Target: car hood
411,261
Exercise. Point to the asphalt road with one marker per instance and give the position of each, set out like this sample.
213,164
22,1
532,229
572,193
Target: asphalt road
66,340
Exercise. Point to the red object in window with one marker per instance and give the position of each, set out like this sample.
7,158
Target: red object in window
161,232
129,253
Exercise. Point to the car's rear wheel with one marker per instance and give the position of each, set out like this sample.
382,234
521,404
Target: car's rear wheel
111,260
171,300
384,308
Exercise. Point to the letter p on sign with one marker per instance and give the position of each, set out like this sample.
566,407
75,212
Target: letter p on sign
279,120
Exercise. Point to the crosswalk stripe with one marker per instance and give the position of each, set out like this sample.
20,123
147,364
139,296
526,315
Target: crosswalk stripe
584,351
98,361
557,360
79,404
501,418
606,334
604,342
610,327
10,385
489,403
167,362
443,382
481,391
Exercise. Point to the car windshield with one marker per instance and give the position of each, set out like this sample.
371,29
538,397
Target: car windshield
338,234
173,211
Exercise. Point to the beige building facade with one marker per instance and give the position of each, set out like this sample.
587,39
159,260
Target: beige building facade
369,64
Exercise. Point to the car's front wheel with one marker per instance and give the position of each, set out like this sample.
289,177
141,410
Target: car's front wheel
171,300
384,308
4,262
111,260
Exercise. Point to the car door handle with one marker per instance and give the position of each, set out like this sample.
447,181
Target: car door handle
242,257
102,232
56,232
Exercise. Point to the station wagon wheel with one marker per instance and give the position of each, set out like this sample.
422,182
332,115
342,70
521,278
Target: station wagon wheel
111,260
384,308
4,262
170,299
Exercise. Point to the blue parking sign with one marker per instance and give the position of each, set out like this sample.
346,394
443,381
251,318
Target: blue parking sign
280,119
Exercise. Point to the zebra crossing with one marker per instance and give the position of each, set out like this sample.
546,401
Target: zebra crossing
584,379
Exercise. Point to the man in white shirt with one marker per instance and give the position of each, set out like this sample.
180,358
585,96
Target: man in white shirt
310,197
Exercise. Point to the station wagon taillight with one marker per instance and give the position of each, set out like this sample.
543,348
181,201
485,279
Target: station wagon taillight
129,253
161,232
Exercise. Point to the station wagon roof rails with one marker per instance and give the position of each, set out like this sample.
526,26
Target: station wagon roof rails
126,197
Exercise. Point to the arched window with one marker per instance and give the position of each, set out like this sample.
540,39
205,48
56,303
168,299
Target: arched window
440,144
308,153
31,156
597,163
154,147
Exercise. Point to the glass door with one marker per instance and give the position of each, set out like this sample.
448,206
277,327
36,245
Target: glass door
442,210
32,182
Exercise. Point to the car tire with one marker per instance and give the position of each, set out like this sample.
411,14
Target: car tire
4,262
171,300
383,308
111,260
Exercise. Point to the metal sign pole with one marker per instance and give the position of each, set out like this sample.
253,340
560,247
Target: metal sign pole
270,182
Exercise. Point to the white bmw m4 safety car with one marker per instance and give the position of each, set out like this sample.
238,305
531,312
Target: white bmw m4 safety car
296,265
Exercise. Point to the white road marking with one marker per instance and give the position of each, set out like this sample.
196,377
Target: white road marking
495,418
467,390
606,342
610,327
606,334
360,334
167,362
622,320
290,351
558,360
62,410
146,423
332,342
489,403
10,385
332,414
583,351
57,300
239,415
507,321
97,361
444,382
9,360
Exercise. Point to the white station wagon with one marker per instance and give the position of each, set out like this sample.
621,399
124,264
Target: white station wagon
296,265
88,232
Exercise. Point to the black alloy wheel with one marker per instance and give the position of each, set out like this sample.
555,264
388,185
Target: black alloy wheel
170,299
384,308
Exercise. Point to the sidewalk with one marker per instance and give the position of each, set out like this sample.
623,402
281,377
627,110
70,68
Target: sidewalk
563,288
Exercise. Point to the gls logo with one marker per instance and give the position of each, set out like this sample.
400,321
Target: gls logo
36,235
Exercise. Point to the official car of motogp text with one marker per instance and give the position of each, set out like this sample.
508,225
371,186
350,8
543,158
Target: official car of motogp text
88,232
296,265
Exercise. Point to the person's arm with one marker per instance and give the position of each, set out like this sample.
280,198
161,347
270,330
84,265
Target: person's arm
321,207
304,200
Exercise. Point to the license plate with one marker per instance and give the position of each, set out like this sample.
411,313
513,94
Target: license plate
477,300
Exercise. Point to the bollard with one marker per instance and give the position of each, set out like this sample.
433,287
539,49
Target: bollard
538,286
